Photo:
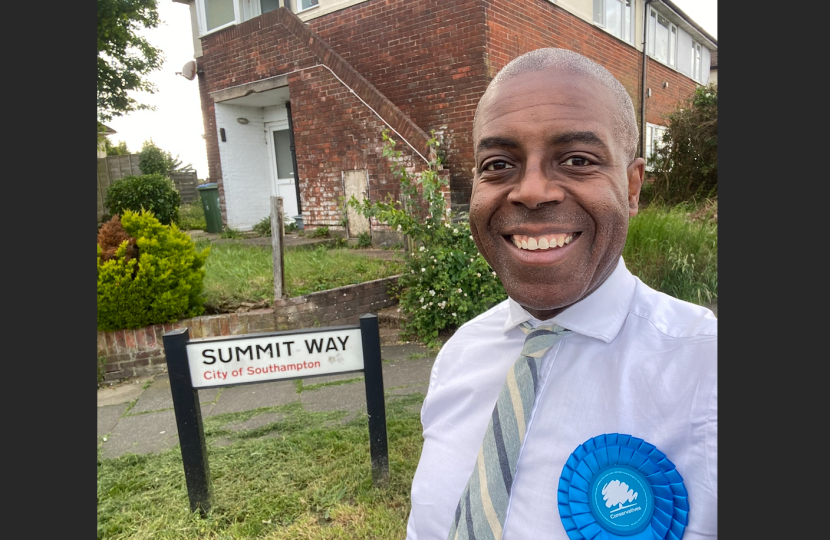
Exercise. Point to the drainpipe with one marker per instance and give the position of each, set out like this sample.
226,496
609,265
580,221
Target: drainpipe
294,157
643,99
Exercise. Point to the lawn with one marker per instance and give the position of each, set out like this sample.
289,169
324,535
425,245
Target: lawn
236,272
305,476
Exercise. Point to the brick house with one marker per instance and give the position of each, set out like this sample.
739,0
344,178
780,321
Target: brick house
294,97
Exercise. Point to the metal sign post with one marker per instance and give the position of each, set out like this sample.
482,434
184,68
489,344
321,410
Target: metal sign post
256,358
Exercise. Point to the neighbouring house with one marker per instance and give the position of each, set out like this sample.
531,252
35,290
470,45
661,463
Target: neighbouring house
105,131
713,68
294,97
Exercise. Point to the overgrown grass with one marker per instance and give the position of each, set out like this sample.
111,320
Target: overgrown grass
303,477
237,272
674,254
192,217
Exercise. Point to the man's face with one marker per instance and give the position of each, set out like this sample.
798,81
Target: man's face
551,174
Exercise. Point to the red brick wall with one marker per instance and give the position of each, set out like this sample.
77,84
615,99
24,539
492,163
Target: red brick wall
140,352
433,59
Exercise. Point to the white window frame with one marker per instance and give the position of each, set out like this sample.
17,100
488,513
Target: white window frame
697,61
202,18
604,14
297,3
652,130
651,38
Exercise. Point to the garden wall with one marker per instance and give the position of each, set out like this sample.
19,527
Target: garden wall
140,351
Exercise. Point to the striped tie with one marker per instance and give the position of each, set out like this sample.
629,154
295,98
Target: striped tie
482,508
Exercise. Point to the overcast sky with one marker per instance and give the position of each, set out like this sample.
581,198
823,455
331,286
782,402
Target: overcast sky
176,124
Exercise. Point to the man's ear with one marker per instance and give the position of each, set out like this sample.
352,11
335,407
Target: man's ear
635,172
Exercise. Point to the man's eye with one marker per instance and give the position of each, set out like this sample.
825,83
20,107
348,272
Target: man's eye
497,166
577,161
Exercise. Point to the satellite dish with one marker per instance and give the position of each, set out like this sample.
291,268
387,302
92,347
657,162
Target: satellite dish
189,70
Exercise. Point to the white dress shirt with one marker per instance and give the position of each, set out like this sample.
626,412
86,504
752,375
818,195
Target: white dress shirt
637,362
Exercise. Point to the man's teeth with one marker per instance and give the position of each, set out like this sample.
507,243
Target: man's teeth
533,243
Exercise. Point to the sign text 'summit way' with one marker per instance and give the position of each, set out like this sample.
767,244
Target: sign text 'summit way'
242,360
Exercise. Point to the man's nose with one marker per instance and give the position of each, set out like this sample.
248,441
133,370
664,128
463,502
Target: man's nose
536,188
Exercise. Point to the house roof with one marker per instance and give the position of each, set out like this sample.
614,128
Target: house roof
107,130
672,6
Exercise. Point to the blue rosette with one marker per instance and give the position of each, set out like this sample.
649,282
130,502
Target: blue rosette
616,486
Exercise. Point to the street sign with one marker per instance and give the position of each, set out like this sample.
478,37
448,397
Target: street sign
256,358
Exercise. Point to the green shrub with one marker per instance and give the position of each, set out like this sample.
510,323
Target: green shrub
320,232
364,240
152,192
685,166
263,226
192,217
163,284
291,227
446,281
230,232
154,160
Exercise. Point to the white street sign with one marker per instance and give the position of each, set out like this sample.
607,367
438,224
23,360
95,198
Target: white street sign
231,361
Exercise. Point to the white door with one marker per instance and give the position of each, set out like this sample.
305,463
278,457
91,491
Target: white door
282,166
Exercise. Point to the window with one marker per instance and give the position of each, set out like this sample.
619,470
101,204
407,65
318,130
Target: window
616,17
654,140
662,39
217,14
697,62
303,5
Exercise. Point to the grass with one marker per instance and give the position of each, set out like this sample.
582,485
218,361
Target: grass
238,273
297,478
192,217
673,253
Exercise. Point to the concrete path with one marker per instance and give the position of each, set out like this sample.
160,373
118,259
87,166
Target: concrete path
137,416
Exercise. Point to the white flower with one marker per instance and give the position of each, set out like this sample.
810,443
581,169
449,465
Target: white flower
399,227
455,231
460,291
424,306
465,294
422,248
431,292
473,259
471,237
494,274
429,226
453,314
422,299
478,274
412,271
423,269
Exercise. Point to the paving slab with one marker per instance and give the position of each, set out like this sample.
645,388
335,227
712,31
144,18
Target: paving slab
253,396
332,378
121,393
142,434
344,397
108,417
403,351
156,397
407,372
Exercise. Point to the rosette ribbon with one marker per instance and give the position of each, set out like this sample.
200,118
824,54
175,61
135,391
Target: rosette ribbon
601,468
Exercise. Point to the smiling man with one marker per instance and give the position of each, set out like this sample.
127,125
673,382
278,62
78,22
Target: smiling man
586,402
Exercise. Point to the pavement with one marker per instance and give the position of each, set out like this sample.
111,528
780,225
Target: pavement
136,416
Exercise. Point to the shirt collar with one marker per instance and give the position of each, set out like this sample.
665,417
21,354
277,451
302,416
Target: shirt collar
600,315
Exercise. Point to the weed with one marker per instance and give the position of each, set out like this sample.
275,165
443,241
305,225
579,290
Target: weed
192,217
320,232
230,232
364,240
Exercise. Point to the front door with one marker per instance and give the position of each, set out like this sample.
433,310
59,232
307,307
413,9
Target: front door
282,167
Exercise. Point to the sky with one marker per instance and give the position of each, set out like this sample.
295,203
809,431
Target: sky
176,124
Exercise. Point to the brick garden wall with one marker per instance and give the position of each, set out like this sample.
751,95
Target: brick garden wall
140,352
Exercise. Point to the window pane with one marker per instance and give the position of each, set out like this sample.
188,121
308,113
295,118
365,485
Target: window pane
599,12
282,145
305,4
268,5
672,44
628,28
661,40
218,13
652,22
613,17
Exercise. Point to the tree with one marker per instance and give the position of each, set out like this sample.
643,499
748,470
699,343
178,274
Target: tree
685,166
154,160
115,150
124,57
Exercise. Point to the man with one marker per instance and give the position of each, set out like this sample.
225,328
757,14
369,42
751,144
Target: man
555,183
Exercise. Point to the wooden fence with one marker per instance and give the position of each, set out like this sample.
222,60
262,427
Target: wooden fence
112,168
